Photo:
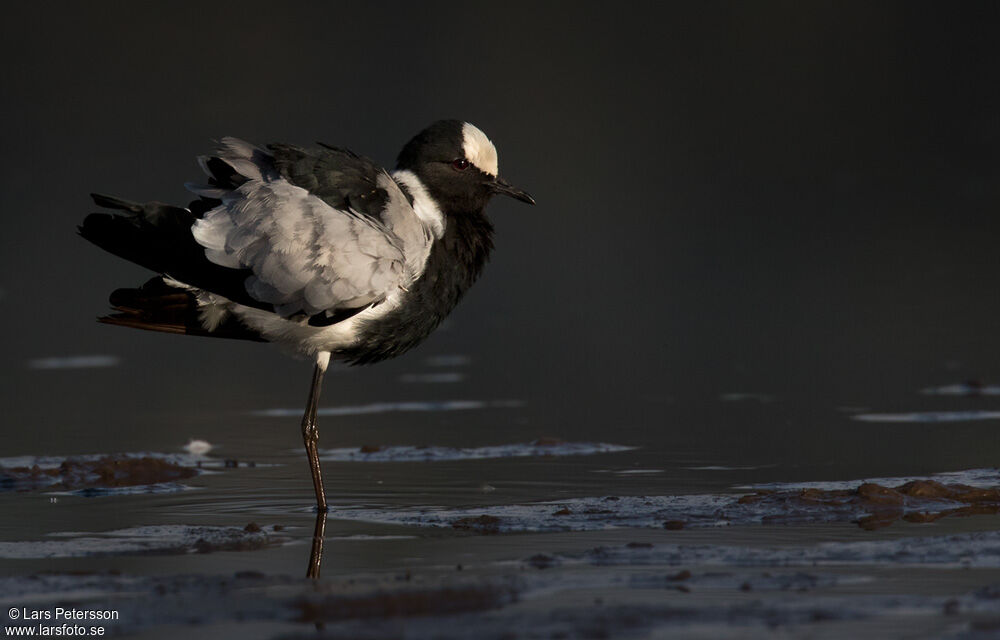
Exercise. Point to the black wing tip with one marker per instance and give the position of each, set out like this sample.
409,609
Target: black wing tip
284,146
111,202
343,150
86,229
97,226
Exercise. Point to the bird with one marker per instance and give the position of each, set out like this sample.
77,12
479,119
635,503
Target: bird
316,249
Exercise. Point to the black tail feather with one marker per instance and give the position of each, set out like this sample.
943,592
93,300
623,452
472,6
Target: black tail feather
111,202
156,306
158,237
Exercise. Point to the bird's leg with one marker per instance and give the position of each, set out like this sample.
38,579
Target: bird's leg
310,434
316,555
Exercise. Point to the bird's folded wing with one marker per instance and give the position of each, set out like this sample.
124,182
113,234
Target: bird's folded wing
349,182
306,256
323,232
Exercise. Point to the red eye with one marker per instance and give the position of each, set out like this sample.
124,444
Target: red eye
461,164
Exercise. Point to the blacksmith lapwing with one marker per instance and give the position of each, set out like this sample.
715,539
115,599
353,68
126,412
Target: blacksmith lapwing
320,251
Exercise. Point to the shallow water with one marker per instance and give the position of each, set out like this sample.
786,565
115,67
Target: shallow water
533,536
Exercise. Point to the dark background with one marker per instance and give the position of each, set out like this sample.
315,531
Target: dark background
791,198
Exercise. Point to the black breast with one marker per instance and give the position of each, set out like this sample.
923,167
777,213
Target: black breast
455,261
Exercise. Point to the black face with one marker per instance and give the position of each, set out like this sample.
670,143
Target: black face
437,157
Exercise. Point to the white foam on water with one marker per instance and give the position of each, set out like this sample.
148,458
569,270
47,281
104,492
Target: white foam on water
982,478
389,407
198,447
361,537
456,360
16,472
449,377
74,362
54,462
980,550
136,489
928,416
684,511
963,389
405,453
137,540
728,468
740,396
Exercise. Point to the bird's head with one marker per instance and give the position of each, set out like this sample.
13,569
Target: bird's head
457,164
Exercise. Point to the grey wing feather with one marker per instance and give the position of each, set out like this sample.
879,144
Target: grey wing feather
306,256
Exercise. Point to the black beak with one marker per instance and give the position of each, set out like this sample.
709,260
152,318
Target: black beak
502,187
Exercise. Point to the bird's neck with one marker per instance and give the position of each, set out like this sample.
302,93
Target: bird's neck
456,259
455,262
460,254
